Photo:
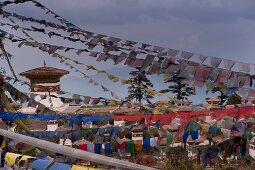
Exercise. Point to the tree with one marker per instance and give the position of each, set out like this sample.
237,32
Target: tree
234,99
139,83
178,87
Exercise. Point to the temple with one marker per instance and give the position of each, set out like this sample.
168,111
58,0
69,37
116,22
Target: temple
44,79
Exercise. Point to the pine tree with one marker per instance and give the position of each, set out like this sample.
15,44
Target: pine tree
139,83
178,87
234,99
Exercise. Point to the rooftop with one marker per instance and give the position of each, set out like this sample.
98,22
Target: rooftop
44,71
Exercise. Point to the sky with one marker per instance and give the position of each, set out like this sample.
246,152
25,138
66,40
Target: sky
220,28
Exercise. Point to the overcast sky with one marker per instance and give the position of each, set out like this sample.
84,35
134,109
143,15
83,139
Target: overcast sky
221,28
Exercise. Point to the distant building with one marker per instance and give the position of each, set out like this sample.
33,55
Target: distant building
44,79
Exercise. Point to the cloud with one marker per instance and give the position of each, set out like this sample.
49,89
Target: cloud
103,12
222,28
192,39
122,11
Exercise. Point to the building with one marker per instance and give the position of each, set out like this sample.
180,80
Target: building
44,79
45,83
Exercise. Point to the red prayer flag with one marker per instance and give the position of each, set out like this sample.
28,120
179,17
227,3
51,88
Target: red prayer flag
86,99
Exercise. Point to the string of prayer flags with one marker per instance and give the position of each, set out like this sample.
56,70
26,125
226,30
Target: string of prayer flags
202,57
89,67
148,60
113,43
228,64
95,101
244,67
133,50
172,53
86,99
186,55
215,61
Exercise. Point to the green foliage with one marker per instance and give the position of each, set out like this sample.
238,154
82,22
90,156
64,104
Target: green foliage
178,87
139,82
234,99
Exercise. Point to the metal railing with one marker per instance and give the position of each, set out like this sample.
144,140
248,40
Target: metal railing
74,153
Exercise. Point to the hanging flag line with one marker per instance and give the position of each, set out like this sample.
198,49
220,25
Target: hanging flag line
51,50
215,61
63,60
186,69
89,67
23,98
171,53
156,65
6,3
40,30
91,44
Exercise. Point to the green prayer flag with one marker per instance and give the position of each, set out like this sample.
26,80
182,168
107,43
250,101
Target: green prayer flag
193,126
248,135
130,147
74,146
218,132
169,139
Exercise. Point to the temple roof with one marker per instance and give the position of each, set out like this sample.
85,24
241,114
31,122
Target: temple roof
44,71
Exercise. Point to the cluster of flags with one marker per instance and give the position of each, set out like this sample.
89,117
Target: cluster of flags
153,59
